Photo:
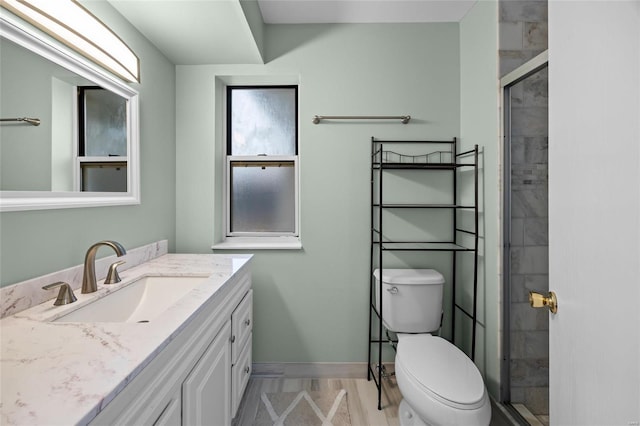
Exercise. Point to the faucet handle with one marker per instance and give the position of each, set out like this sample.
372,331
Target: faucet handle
113,276
65,295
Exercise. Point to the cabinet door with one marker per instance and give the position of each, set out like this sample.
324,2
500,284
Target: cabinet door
172,414
206,392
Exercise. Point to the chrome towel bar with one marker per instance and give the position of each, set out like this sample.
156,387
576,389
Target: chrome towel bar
404,118
34,121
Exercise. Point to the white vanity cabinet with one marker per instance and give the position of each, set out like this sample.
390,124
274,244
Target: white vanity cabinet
200,376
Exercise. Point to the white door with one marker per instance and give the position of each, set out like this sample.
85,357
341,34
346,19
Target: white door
594,211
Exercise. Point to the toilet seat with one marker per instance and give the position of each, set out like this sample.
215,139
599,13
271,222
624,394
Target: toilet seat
440,370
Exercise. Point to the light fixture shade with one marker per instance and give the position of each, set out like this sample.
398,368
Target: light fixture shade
70,23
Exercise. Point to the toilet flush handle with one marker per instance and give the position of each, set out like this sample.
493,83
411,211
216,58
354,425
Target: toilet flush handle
393,290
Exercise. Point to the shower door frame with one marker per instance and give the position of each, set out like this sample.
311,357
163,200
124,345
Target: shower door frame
506,83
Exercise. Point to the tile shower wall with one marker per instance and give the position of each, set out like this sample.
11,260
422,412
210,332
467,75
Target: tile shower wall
523,35
523,32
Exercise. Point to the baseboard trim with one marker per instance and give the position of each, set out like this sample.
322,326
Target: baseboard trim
315,370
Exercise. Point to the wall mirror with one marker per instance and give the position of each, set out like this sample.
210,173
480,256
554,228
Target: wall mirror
81,149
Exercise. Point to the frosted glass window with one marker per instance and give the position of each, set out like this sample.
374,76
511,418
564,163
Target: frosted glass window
262,197
104,119
262,120
104,177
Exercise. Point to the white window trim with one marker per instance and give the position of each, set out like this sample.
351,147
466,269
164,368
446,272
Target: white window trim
259,243
265,241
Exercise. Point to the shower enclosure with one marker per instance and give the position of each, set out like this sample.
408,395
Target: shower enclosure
525,369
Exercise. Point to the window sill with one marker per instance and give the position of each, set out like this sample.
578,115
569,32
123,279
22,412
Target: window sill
259,243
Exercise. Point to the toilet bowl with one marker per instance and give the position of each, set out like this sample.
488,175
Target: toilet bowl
440,385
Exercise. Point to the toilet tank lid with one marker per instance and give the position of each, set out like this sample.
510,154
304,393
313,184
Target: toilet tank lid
409,276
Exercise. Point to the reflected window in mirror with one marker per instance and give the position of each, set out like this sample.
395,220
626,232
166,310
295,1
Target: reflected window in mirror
103,176
102,140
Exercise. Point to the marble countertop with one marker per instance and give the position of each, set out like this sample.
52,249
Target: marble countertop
66,372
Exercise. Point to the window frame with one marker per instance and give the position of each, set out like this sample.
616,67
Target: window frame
259,239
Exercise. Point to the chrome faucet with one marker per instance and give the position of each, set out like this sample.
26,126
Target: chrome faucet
89,284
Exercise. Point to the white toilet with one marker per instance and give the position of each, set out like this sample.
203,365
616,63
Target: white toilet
440,385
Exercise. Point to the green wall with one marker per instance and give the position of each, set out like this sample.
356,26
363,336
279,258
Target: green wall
479,123
311,305
35,243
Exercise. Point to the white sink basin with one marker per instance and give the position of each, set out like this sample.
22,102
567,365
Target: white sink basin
141,301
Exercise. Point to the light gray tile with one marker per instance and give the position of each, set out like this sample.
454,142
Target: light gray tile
536,231
517,395
517,149
539,258
536,150
529,344
536,89
518,208
534,260
516,259
521,285
535,35
532,202
522,176
529,121
530,260
516,94
517,289
511,35
523,10
529,372
512,59
525,318
517,232
537,282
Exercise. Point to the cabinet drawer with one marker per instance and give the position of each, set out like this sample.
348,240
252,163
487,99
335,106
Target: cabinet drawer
240,374
241,325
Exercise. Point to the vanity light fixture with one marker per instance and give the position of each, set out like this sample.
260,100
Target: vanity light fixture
72,24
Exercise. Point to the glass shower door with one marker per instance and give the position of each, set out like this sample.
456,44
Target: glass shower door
526,338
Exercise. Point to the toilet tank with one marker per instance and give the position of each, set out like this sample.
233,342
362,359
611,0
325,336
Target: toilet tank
411,299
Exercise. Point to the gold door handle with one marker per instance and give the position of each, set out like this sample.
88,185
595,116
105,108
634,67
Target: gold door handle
537,300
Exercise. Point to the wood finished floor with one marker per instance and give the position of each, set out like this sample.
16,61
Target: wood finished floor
361,397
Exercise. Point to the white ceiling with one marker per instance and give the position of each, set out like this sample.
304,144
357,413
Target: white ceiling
217,31
362,11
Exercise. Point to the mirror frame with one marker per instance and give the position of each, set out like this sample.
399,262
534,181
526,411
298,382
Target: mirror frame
15,30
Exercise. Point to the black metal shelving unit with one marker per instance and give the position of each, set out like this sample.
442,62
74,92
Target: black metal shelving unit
447,160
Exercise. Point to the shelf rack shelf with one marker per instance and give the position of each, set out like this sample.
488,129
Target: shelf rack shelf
445,160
